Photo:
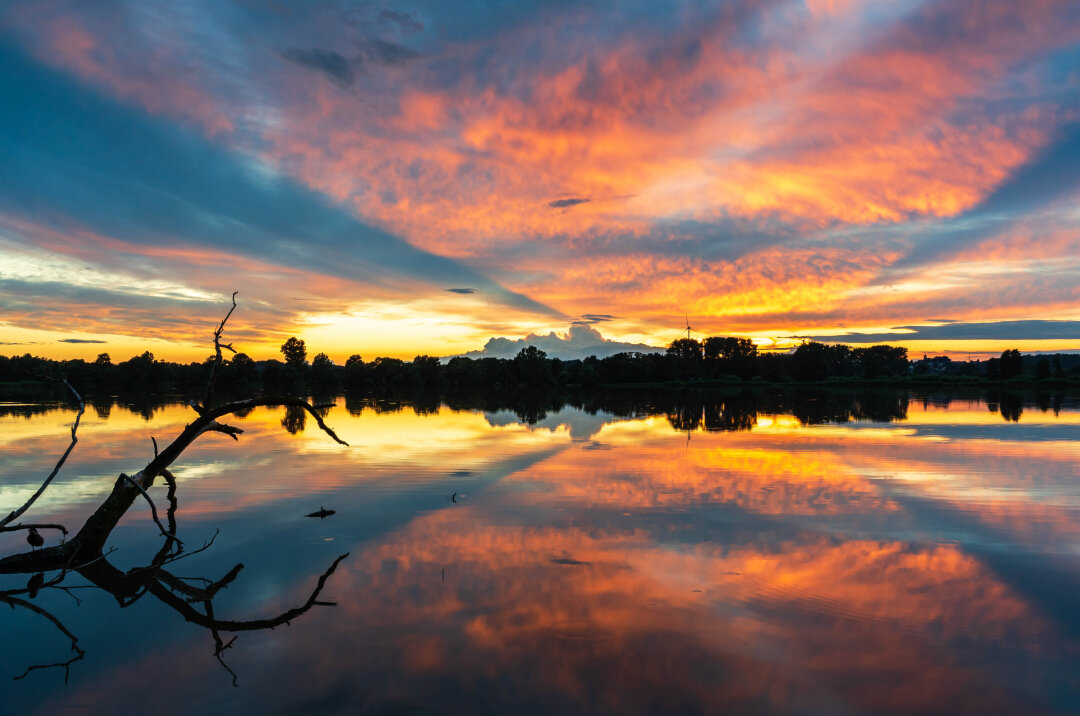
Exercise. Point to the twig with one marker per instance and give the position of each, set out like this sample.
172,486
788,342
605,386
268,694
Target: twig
153,508
219,645
229,430
60,463
177,557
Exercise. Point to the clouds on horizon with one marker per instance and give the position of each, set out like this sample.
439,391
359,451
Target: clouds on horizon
580,341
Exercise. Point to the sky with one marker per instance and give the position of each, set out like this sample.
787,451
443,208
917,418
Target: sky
445,178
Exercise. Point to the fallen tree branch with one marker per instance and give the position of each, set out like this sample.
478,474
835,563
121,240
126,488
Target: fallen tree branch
16,514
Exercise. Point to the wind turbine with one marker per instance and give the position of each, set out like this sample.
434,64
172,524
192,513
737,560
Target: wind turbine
687,326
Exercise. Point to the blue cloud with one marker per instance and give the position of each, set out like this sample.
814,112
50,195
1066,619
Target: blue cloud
1000,330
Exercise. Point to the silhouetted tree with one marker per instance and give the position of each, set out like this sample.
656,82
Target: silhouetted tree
244,367
103,359
354,370
685,349
735,356
388,371
322,370
426,370
1042,369
531,367
1011,364
811,361
295,352
878,361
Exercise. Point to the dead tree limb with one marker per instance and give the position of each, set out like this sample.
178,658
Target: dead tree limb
90,539
16,514
209,392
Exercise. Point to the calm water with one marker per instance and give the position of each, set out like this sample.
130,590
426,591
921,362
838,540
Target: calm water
810,554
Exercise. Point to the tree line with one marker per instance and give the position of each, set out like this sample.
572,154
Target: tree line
686,360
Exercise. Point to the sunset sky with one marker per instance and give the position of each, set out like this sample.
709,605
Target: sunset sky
419,177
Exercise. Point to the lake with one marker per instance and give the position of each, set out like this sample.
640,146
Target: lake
809,552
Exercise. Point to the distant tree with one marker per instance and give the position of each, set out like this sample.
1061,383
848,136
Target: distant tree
295,352
426,370
1059,371
242,361
878,361
1011,363
275,373
686,349
242,369
531,366
1042,369
388,371
811,361
731,355
139,370
354,370
530,353
322,369
103,359
993,369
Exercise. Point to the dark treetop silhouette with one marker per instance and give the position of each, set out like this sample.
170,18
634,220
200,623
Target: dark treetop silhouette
83,554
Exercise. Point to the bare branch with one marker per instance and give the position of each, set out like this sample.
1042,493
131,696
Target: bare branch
79,653
208,393
192,615
16,514
229,430
37,526
153,508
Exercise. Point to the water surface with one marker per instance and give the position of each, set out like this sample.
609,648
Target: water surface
813,553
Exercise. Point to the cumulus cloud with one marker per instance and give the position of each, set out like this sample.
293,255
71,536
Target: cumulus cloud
580,341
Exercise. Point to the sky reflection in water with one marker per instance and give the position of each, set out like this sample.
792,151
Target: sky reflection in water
590,562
